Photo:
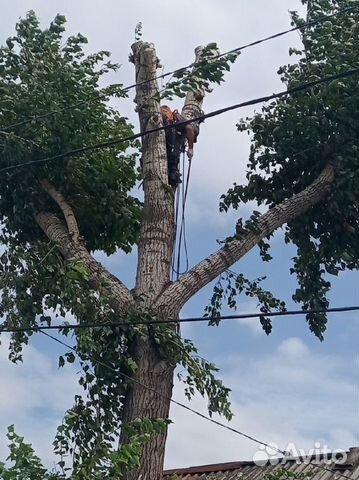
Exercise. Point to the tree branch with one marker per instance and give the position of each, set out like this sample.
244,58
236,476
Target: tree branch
57,231
194,99
66,209
178,293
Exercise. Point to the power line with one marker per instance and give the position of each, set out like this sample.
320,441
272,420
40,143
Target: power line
160,394
175,321
191,65
248,45
255,101
184,406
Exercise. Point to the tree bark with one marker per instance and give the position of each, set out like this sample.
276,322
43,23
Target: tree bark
67,211
56,230
194,99
157,229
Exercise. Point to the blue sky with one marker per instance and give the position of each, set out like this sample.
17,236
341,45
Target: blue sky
287,387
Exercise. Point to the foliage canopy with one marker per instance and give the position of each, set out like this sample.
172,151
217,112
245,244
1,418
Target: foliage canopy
294,138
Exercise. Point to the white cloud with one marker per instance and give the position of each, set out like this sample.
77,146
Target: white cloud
253,324
293,348
289,395
35,395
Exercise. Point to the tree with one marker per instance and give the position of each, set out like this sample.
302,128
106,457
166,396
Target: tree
55,214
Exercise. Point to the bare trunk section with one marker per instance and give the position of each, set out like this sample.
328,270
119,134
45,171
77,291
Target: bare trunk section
149,398
157,229
177,294
66,209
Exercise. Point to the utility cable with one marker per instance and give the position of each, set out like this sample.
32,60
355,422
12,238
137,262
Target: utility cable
186,407
160,394
175,321
191,65
248,45
255,101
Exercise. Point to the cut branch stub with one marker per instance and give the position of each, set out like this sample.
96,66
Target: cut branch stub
194,99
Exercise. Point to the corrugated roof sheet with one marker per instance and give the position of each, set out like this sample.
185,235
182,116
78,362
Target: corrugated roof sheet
251,471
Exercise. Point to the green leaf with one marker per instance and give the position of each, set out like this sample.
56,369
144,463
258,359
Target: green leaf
61,361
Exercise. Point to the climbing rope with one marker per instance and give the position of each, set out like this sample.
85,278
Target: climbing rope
181,236
177,203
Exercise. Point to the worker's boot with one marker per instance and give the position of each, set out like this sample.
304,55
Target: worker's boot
174,177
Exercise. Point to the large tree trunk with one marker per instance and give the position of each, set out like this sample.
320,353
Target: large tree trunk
142,401
154,266
154,259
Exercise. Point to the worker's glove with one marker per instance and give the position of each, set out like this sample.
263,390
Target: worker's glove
190,153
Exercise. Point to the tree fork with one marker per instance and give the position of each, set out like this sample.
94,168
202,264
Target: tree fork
72,249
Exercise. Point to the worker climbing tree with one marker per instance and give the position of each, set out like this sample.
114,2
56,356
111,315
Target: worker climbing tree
178,137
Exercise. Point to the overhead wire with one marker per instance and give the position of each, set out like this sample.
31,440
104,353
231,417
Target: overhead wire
184,406
251,44
255,101
112,143
132,323
191,65
12,135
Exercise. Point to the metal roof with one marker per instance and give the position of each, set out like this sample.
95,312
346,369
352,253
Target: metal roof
316,467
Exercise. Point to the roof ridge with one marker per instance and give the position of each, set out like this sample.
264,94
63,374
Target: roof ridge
228,466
